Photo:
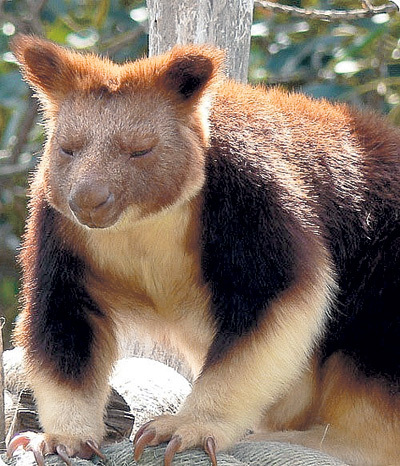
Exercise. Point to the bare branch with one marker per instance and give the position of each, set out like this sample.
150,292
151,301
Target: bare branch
333,15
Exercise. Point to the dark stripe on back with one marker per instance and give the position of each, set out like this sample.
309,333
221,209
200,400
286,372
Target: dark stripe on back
248,248
367,322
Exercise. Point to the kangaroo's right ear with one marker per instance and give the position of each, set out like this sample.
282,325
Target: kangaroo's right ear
54,71
45,65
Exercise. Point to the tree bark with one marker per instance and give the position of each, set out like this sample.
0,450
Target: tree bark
224,23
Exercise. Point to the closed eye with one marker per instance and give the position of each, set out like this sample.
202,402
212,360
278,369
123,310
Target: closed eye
140,153
66,151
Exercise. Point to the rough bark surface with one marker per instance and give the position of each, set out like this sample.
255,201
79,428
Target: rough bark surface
224,23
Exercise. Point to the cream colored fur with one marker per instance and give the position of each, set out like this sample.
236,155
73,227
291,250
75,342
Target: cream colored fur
64,410
263,366
156,286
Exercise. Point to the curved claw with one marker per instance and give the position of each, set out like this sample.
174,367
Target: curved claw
62,453
39,457
142,442
210,449
17,441
30,443
95,448
172,447
140,431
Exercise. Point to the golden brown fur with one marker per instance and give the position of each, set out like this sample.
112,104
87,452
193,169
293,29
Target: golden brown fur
228,222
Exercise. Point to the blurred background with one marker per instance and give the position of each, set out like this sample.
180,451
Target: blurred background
356,61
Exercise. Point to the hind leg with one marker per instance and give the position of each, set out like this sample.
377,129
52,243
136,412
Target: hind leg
323,438
353,418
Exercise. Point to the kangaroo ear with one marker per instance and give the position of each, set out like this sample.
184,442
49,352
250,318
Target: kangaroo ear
190,70
46,66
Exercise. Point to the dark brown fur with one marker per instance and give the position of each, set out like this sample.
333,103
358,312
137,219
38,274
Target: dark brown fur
254,229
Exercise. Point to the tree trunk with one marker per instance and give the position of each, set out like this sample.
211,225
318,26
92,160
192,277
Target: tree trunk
224,23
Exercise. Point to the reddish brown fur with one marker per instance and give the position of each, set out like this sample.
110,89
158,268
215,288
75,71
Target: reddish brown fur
330,171
89,73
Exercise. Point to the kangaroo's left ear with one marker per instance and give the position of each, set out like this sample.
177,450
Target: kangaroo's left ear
54,71
45,65
190,70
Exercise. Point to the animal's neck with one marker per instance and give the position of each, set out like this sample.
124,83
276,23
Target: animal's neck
151,253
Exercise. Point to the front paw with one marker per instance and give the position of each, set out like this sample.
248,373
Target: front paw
46,444
183,432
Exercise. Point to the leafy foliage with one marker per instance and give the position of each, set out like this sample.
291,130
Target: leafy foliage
357,61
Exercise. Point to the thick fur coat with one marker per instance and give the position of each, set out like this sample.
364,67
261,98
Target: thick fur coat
253,230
